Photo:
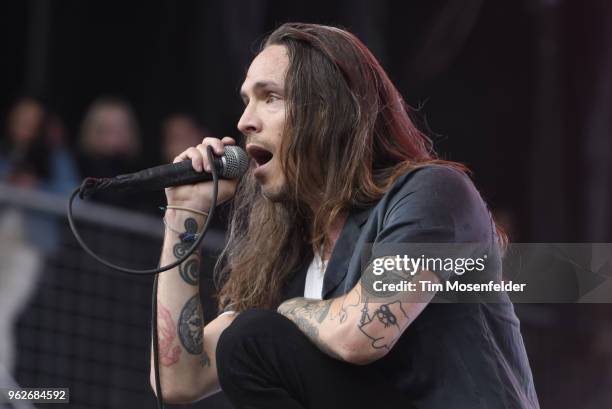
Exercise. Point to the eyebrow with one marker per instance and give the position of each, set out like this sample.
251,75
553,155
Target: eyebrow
260,85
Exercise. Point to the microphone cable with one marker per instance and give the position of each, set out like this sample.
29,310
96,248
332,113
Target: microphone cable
153,271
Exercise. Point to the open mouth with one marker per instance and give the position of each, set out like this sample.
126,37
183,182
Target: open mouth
259,154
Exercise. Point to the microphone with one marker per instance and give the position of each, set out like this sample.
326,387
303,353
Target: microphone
231,165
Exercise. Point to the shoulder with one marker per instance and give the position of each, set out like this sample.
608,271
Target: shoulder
434,186
436,180
437,196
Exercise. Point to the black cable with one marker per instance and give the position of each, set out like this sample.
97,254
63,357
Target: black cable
156,271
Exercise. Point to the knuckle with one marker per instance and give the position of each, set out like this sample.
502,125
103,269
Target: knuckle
208,140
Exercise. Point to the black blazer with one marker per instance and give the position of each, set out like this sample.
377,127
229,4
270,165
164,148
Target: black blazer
454,355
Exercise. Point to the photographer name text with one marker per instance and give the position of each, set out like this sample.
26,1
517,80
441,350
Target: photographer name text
430,286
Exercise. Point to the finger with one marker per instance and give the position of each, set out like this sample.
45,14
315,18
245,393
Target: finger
196,158
217,145
182,156
203,152
228,140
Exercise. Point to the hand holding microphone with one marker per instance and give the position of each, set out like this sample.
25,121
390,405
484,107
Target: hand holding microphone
198,195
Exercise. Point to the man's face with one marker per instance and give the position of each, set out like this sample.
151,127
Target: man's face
263,119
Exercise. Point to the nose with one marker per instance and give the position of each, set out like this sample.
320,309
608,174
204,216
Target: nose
249,122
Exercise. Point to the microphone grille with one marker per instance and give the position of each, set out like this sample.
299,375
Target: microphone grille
235,162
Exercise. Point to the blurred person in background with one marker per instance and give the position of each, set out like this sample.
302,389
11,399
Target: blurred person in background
23,156
32,156
179,132
110,145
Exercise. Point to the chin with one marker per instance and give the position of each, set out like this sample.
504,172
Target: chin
276,194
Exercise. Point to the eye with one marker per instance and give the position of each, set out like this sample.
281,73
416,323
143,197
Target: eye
271,98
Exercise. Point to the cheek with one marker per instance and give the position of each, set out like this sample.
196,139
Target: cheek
278,127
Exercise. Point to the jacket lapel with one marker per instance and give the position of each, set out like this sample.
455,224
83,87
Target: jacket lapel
338,263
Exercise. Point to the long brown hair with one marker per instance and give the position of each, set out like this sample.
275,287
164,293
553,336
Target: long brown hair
347,137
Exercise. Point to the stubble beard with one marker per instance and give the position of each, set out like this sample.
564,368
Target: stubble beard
277,194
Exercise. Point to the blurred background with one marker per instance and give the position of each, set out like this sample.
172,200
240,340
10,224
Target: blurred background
519,91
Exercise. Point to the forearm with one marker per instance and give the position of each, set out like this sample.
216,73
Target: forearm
339,327
351,327
183,355
309,315
332,325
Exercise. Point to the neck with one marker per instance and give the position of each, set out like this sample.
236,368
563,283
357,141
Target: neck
334,234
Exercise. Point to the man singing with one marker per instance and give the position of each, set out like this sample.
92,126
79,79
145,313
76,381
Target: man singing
339,173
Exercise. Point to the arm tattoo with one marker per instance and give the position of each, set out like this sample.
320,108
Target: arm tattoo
190,328
307,314
311,309
168,355
381,325
346,304
190,269
179,249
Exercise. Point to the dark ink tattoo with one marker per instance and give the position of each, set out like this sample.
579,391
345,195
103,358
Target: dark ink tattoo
191,226
311,309
385,316
303,312
180,248
190,326
343,313
190,270
376,325
307,327
205,361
